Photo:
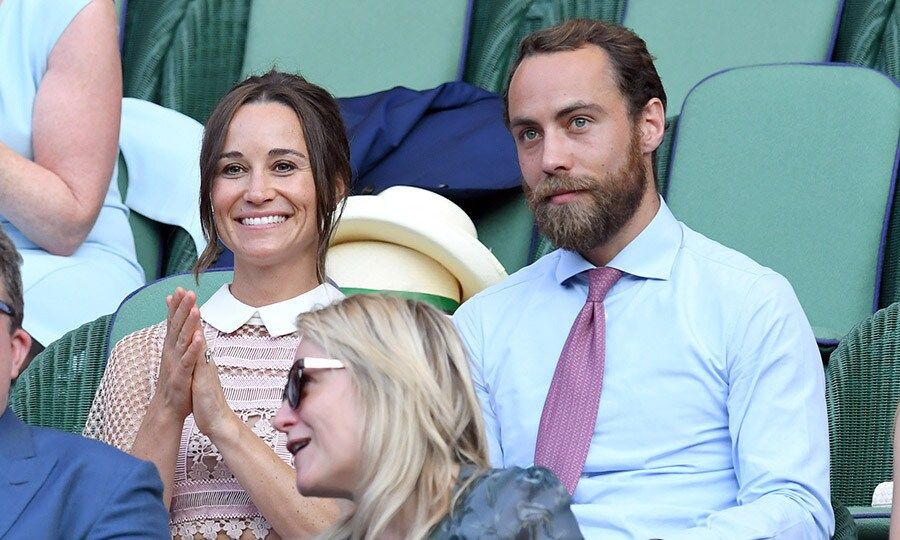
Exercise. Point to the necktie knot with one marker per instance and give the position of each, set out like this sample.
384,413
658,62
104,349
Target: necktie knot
600,281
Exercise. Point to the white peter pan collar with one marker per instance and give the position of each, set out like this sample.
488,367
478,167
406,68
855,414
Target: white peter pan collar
226,313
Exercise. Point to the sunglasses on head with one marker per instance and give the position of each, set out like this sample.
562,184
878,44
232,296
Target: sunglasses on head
293,390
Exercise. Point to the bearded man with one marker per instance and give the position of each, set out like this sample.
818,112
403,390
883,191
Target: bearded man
673,384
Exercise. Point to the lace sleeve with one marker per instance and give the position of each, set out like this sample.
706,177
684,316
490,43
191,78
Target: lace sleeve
126,388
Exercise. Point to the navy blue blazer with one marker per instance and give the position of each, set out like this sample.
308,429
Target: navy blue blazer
59,485
450,139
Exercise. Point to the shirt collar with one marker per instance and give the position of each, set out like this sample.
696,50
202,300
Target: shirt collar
650,255
226,313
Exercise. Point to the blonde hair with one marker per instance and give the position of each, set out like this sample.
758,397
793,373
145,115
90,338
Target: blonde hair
420,412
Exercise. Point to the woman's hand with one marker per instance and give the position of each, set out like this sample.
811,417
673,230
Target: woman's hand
159,436
212,413
182,350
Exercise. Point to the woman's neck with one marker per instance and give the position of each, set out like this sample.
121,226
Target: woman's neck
261,286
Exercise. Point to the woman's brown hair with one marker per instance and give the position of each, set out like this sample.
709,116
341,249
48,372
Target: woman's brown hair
326,141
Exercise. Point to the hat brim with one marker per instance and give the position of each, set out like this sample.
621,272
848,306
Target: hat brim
473,264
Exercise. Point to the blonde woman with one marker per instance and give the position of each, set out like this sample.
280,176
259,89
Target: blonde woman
379,409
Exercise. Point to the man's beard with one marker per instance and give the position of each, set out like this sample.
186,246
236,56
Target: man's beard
585,223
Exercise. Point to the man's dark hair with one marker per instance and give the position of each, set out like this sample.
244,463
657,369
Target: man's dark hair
636,75
10,261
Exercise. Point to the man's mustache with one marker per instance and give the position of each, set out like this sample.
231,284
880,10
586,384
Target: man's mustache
556,184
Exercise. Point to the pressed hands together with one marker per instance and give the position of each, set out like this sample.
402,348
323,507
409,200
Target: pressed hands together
189,384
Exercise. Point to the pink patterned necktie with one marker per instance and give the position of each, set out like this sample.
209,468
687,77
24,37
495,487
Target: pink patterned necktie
570,411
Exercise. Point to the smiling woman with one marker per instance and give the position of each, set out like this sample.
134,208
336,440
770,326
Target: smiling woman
196,393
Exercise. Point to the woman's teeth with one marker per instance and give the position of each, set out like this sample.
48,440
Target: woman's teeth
265,220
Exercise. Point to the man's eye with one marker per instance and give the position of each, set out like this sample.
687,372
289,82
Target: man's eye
529,134
579,122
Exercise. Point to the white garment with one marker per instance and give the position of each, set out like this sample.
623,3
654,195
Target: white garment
60,292
226,313
161,148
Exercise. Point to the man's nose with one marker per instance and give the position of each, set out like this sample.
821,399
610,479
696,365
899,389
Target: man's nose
556,154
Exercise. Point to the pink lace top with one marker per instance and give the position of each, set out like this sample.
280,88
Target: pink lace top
207,501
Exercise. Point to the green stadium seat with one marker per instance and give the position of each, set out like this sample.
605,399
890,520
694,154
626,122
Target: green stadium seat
862,387
692,38
183,54
57,388
793,165
354,48
186,54
869,35
872,523
146,306
498,26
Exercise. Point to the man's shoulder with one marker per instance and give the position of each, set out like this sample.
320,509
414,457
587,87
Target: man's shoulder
514,285
717,263
725,275
718,256
82,453
89,489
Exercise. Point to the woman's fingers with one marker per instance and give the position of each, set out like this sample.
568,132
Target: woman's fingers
179,318
184,304
189,327
173,302
194,352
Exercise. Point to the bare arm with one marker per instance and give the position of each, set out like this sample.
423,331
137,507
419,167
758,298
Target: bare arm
75,137
270,482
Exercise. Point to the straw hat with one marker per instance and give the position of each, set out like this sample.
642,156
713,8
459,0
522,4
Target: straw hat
410,239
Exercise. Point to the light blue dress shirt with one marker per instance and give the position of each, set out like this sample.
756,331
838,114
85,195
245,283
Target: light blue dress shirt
712,418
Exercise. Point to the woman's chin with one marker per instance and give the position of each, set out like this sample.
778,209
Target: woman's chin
312,488
271,256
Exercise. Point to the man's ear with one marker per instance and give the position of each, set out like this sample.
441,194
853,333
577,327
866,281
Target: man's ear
652,125
20,345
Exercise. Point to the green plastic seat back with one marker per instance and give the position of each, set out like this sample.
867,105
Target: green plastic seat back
354,48
794,165
862,388
147,306
869,35
498,26
691,39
